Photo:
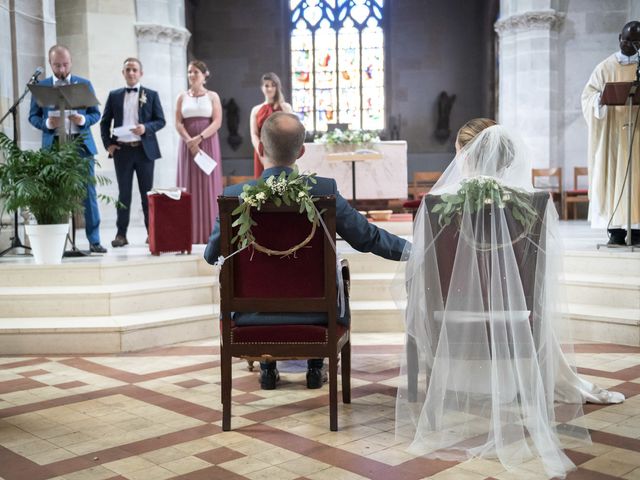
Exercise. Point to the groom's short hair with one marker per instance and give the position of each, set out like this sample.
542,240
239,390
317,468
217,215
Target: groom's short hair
282,138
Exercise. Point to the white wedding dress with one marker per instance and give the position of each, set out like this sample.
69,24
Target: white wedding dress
487,367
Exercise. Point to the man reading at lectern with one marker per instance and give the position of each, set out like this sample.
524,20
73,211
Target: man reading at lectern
78,123
609,144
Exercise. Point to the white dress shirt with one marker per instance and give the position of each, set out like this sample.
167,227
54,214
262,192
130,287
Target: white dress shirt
130,113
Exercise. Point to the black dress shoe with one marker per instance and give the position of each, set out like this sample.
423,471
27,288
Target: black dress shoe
97,248
315,378
269,378
119,241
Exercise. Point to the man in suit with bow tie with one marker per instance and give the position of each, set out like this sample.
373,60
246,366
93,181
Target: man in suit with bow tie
77,124
137,149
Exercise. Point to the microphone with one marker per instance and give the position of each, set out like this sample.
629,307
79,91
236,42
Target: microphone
34,78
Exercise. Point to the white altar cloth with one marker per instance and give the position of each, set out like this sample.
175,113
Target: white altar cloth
380,178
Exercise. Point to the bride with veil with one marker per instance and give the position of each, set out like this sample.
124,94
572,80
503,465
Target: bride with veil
487,370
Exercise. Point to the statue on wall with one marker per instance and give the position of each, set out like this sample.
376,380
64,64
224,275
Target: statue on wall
232,112
445,103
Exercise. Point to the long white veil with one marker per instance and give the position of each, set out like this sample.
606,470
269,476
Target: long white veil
486,371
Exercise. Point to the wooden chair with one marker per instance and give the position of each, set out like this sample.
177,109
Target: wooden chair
446,244
575,196
422,183
549,179
233,179
304,283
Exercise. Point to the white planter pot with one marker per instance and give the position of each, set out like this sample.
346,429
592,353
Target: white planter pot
47,242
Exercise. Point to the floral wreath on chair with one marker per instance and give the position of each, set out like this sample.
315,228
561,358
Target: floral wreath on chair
292,189
479,191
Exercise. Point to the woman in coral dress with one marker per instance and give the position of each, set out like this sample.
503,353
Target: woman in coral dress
198,118
273,102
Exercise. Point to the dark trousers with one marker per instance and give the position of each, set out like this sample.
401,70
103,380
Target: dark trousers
90,203
128,160
311,363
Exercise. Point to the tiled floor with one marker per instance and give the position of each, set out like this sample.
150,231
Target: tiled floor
156,415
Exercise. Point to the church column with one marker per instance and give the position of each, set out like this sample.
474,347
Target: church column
528,79
26,31
162,48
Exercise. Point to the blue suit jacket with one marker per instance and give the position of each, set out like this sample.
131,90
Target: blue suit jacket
350,224
38,118
150,114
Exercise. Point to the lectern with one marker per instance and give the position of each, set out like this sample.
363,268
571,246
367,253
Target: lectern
618,94
65,97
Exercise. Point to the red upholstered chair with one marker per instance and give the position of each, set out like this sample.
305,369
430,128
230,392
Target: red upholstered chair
575,196
304,282
446,244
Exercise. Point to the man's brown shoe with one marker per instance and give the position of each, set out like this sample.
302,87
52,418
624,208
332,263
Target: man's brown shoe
119,241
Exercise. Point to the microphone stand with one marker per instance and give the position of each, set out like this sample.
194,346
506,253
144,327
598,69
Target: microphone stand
632,93
15,240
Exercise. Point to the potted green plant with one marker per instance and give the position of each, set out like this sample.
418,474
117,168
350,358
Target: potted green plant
51,183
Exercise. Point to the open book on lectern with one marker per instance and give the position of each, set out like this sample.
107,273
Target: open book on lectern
617,93
75,95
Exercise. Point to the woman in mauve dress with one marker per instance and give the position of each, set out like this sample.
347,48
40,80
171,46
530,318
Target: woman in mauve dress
273,102
198,118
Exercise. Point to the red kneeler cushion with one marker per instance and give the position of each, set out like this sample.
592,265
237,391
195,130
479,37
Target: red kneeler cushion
412,203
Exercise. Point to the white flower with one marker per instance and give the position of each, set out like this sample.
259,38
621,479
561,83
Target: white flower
302,194
488,201
261,196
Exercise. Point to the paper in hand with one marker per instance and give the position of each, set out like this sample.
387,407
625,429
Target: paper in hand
56,113
205,162
123,131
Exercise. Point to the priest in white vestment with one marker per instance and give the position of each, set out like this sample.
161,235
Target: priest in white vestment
609,145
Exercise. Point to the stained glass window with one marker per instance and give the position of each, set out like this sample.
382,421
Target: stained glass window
337,63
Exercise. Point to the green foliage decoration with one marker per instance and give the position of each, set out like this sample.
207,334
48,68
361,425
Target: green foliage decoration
50,182
475,193
292,189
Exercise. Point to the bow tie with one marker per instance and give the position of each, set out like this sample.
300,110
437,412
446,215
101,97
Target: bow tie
131,89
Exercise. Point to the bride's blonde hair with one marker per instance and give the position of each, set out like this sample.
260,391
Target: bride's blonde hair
472,128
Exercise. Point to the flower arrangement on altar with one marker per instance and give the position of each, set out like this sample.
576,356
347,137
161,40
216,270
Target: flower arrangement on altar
349,138
292,189
479,191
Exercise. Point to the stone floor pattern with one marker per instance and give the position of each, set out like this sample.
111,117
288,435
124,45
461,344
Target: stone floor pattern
156,414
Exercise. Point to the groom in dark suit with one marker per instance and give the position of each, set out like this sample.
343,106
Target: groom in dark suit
78,124
136,149
281,144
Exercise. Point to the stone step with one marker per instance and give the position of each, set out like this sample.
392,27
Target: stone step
370,263
605,324
376,316
605,290
372,286
602,262
107,271
108,334
111,299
